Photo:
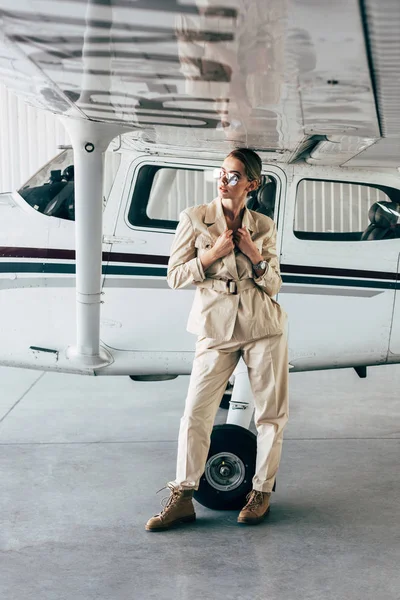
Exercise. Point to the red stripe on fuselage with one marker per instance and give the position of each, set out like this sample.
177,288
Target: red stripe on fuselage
51,253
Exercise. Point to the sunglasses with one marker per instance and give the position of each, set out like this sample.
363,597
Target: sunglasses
229,176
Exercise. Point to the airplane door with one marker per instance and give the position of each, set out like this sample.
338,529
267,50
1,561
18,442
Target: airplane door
394,347
339,289
140,312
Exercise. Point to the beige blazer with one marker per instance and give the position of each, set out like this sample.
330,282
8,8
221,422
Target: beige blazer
247,315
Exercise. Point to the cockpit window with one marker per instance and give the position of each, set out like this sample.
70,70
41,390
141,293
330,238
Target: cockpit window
58,163
51,191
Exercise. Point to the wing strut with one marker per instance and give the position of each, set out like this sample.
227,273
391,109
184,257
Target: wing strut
89,140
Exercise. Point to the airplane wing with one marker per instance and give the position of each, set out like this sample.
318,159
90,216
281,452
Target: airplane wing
291,78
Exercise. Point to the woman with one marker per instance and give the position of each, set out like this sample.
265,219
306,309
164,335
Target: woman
229,253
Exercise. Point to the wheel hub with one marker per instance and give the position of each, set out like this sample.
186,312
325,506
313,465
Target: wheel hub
225,471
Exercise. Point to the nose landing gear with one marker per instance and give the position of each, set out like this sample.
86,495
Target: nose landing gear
229,469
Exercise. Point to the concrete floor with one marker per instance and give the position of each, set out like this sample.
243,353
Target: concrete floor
81,460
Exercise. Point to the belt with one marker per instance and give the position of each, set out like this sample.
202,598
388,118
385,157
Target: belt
230,286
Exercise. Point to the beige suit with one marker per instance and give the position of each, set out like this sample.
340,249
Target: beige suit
233,315
215,314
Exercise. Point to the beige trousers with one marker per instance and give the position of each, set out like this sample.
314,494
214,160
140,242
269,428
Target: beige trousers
214,363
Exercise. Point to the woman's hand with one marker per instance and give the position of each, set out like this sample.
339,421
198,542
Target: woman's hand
224,244
246,245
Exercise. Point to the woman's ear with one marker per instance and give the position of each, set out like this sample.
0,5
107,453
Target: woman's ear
253,185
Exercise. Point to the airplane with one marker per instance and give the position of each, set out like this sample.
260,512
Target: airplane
154,94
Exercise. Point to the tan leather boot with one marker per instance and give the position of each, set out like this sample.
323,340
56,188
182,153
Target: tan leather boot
256,509
178,509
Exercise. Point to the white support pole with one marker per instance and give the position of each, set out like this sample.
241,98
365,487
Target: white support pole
89,141
241,405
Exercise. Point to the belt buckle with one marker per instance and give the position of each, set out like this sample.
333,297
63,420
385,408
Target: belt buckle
231,287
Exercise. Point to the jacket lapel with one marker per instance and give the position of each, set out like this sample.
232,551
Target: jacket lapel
216,223
249,222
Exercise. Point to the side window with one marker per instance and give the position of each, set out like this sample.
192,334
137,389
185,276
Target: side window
161,193
173,190
342,211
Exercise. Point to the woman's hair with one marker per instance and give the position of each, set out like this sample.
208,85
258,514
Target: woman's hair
251,162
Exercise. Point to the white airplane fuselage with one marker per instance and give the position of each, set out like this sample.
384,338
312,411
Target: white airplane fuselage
341,294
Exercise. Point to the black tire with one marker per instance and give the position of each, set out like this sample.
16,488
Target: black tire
233,449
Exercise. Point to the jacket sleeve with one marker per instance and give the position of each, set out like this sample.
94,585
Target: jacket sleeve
271,280
184,266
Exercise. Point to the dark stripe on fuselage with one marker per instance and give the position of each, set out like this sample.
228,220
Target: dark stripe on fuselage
148,259
143,271
58,254
36,267
389,285
65,268
338,272
290,273
56,268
